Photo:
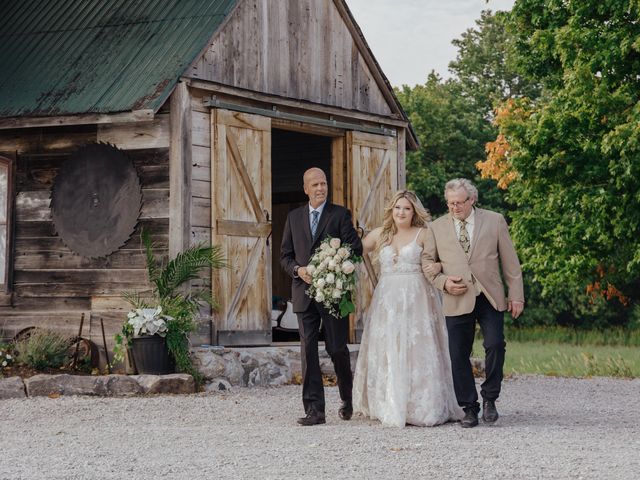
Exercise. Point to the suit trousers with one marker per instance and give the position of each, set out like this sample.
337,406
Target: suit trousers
336,335
461,329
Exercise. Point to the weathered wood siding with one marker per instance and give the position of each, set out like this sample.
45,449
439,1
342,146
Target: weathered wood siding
52,285
373,179
300,49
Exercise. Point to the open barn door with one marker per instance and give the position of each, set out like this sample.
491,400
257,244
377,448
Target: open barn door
241,199
373,179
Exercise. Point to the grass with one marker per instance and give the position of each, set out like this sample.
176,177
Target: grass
572,336
565,360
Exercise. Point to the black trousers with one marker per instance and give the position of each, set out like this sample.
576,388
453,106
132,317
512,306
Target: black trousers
336,335
461,330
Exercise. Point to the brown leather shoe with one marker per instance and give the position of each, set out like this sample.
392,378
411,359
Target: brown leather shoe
312,418
470,419
346,410
489,412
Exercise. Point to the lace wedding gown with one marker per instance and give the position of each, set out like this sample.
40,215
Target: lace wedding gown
403,372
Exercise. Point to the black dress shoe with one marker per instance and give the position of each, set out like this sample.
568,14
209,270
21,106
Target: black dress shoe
312,418
346,410
489,412
470,419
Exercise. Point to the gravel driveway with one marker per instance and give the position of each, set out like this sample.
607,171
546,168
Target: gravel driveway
549,428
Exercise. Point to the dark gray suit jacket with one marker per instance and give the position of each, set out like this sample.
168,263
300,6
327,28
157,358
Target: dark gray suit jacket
298,246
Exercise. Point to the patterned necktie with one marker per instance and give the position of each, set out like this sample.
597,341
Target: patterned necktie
464,237
314,222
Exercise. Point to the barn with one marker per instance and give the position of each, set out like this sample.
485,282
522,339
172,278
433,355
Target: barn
193,120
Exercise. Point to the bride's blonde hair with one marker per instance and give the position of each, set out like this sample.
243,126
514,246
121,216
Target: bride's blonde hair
420,218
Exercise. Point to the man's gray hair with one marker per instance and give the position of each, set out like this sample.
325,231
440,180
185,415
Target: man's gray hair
457,183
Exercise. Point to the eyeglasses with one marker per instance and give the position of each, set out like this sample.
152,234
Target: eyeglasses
457,204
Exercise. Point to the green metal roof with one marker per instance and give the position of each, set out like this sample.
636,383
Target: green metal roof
99,56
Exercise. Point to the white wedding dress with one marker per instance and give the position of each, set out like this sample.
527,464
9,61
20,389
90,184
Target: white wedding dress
403,372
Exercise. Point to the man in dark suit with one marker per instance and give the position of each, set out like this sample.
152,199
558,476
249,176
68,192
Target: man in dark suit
305,228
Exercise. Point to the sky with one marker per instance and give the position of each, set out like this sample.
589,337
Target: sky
409,38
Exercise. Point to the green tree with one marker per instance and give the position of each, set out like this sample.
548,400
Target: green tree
576,151
452,134
483,66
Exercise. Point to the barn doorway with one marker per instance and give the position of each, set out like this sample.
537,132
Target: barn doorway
291,154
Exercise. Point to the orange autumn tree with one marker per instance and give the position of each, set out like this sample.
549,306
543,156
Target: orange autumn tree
497,165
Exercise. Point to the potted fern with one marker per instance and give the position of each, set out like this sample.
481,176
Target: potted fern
157,328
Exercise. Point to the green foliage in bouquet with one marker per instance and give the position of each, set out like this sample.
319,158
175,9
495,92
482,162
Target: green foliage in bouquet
332,268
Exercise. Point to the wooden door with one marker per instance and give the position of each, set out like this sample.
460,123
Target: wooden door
372,162
240,207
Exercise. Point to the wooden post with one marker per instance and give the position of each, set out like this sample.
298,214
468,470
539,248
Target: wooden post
180,170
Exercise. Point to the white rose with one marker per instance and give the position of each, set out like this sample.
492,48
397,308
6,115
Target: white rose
334,242
339,284
319,297
310,269
337,293
348,267
343,252
331,252
324,246
332,264
320,283
330,278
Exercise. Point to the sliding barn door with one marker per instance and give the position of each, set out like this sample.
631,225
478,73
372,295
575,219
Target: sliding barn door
373,179
240,205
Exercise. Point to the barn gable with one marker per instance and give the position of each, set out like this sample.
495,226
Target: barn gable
304,49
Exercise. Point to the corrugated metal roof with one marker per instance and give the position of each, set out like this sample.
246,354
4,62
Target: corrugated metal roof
98,56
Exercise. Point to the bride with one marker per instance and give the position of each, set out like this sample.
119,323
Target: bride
403,372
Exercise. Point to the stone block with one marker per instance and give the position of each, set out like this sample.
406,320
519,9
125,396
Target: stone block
117,386
176,383
218,385
64,384
12,387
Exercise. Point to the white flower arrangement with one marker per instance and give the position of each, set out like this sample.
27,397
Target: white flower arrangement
6,358
148,321
332,269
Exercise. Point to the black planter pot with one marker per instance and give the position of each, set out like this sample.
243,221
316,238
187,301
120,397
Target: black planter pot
151,355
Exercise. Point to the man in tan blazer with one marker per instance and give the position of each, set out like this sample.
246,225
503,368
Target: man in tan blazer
473,245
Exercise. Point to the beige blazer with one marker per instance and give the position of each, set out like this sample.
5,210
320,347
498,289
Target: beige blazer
491,249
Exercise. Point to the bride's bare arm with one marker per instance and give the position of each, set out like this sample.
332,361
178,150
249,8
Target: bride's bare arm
370,241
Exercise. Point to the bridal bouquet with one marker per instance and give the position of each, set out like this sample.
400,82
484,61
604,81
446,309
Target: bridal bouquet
332,269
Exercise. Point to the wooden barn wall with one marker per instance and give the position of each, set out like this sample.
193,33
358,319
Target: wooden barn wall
52,285
201,171
200,212
300,49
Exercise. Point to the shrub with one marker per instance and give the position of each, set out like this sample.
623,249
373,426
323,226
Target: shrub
43,349
7,356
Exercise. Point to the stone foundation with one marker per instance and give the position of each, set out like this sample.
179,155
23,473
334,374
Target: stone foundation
222,368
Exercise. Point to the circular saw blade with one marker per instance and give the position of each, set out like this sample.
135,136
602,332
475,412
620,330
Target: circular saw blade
96,200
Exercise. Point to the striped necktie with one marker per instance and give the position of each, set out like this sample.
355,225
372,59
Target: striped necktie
314,222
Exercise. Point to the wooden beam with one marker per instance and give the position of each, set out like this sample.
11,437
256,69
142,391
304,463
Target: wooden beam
80,119
135,136
307,107
242,229
180,170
